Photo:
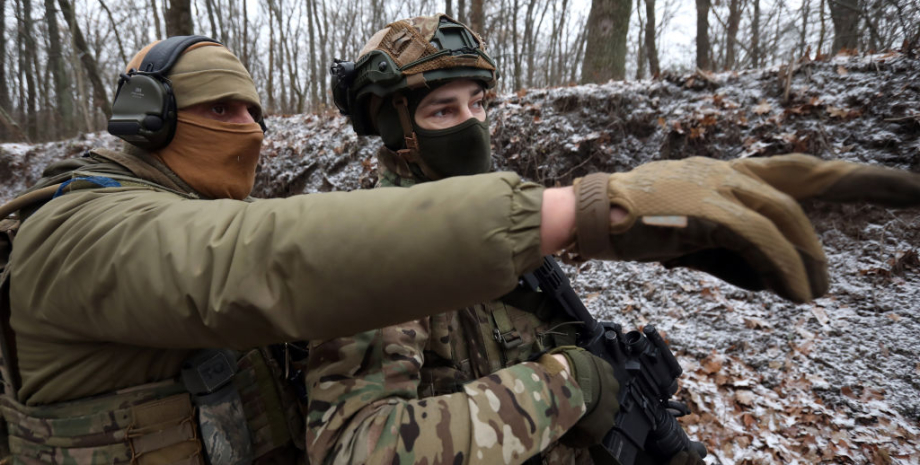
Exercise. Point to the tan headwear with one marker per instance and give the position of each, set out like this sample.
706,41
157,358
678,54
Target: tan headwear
206,72
215,158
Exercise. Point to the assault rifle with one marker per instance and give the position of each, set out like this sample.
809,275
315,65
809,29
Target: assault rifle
644,366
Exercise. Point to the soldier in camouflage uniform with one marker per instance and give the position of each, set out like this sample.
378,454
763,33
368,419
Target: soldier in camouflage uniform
462,386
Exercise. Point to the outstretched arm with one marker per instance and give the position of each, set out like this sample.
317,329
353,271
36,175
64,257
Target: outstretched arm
738,220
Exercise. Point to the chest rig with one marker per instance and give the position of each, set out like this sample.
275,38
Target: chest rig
476,341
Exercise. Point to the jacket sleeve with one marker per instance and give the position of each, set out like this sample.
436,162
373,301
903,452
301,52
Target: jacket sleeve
153,269
364,406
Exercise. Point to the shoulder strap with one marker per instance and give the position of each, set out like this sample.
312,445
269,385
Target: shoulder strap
8,363
13,206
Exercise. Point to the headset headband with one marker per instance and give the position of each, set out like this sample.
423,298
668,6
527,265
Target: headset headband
161,58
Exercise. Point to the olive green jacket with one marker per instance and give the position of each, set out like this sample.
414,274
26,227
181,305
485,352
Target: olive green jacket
114,287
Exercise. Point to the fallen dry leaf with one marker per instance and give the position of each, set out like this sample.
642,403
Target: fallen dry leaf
744,397
762,107
820,315
748,420
756,323
842,71
711,364
835,112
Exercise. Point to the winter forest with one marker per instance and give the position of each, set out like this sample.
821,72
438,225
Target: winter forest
592,86
60,58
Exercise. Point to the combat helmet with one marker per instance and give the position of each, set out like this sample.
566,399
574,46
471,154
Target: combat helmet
407,55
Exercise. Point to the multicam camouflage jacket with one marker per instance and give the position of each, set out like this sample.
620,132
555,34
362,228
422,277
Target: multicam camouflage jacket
437,390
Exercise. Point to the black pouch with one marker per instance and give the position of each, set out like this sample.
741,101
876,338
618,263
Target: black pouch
208,377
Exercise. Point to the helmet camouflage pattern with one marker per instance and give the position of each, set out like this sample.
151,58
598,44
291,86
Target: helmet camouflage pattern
407,55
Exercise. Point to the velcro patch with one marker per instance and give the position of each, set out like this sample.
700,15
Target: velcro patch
672,221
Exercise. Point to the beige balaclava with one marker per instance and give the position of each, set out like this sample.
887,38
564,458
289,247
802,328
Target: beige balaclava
216,159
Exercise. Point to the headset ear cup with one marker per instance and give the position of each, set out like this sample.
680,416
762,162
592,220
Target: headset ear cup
144,112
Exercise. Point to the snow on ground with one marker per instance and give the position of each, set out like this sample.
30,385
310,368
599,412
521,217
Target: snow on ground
836,380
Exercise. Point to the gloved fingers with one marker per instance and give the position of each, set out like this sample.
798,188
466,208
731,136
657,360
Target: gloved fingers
883,186
804,176
794,227
686,458
797,175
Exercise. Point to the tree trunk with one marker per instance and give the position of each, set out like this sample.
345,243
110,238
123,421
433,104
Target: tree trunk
845,15
448,8
527,45
702,35
156,19
731,34
605,46
108,12
63,99
823,29
650,47
580,43
100,99
245,38
314,98
558,74
210,6
25,28
642,61
324,38
179,18
515,52
806,10
461,11
477,16
755,36
271,63
4,90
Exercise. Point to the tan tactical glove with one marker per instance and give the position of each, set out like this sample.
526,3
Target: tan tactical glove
600,388
736,220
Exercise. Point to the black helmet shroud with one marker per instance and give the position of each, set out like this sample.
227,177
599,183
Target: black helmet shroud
408,55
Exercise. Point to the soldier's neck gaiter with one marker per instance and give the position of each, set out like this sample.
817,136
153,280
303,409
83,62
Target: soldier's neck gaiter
216,159
461,150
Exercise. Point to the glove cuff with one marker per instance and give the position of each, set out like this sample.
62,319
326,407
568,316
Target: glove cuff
582,371
592,216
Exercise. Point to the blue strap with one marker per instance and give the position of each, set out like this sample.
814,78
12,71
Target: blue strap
100,181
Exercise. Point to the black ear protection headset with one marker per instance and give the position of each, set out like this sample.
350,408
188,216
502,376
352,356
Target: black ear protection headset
144,110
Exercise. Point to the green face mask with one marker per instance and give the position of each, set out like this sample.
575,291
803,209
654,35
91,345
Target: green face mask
461,150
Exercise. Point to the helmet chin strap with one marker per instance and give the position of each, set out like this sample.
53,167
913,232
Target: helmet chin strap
410,154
